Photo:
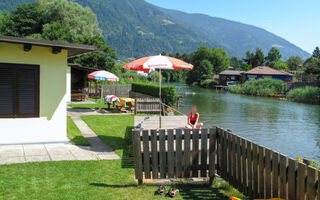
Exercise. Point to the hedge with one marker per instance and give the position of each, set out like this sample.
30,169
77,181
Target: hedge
168,93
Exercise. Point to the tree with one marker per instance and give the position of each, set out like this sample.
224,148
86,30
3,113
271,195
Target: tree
273,56
78,20
255,59
26,20
280,65
316,53
258,58
154,76
55,31
202,71
312,66
294,62
104,59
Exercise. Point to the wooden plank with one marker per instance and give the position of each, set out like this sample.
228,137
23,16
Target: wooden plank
249,168
318,186
244,166
292,179
283,176
229,157
311,183
179,153
154,154
261,172
186,156
204,152
222,152
195,153
146,154
137,155
268,176
162,154
255,175
301,178
239,166
171,160
212,148
234,166
275,174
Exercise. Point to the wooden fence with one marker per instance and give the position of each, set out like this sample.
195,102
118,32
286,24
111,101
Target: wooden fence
147,105
174,153
260,172
117,90
254,170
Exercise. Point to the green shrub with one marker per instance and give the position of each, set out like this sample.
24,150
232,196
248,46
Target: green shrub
306,94
169,94
261,87
208,83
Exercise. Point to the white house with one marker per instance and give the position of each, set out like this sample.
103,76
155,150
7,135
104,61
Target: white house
33,89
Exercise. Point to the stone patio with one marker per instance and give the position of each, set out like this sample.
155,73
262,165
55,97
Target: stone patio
10,154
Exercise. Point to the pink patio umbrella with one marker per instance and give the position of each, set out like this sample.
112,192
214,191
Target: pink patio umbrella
157,62
103,75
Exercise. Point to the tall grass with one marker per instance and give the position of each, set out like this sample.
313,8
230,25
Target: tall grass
306,94
261,87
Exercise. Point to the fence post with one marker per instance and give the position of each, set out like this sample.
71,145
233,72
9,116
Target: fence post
137,155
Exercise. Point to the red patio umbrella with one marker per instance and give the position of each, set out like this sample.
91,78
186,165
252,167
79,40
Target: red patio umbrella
157,62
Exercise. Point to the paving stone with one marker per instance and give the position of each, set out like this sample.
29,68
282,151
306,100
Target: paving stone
62,157
37,158
11,153
35,152
85,156
33,146
12,160
10,147
59,151
108,157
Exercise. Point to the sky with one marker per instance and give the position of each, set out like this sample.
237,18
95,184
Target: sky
295,20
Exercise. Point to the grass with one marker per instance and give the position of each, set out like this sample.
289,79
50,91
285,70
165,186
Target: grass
110,180
261,87
74,134
306,94
99,104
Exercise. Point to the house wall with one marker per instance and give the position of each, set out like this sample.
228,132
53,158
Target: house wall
278,77
51,125
68,84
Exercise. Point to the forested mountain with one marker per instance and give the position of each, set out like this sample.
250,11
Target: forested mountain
135,28
237,36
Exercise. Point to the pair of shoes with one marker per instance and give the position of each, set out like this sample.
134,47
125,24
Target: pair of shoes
173,192
161,189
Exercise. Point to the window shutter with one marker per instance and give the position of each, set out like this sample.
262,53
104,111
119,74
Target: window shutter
27,91
7,80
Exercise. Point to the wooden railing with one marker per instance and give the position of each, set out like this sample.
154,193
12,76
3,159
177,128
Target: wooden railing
174,153
260,172
254,170
147,105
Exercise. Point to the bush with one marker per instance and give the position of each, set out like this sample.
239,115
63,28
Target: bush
261,87
169,94
208,83
306,94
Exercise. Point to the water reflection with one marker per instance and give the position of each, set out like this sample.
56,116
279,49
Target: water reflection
288,127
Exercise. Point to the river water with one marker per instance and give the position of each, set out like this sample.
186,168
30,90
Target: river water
290,128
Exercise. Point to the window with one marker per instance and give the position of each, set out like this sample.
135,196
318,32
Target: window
19,90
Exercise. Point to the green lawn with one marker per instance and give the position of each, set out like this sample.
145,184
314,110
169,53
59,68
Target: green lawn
95,179
74,134
100,104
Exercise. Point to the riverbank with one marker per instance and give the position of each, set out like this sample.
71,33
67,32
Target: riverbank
277,89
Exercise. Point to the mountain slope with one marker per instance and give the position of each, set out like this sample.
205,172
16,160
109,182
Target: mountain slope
135,28
237,36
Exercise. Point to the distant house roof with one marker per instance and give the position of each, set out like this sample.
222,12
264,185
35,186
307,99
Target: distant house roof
265,70
73,49
231,72
216,76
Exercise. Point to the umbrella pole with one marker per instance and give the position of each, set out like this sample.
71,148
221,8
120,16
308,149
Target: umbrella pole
160,98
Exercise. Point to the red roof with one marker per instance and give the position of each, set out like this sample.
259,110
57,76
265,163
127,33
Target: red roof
265,70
